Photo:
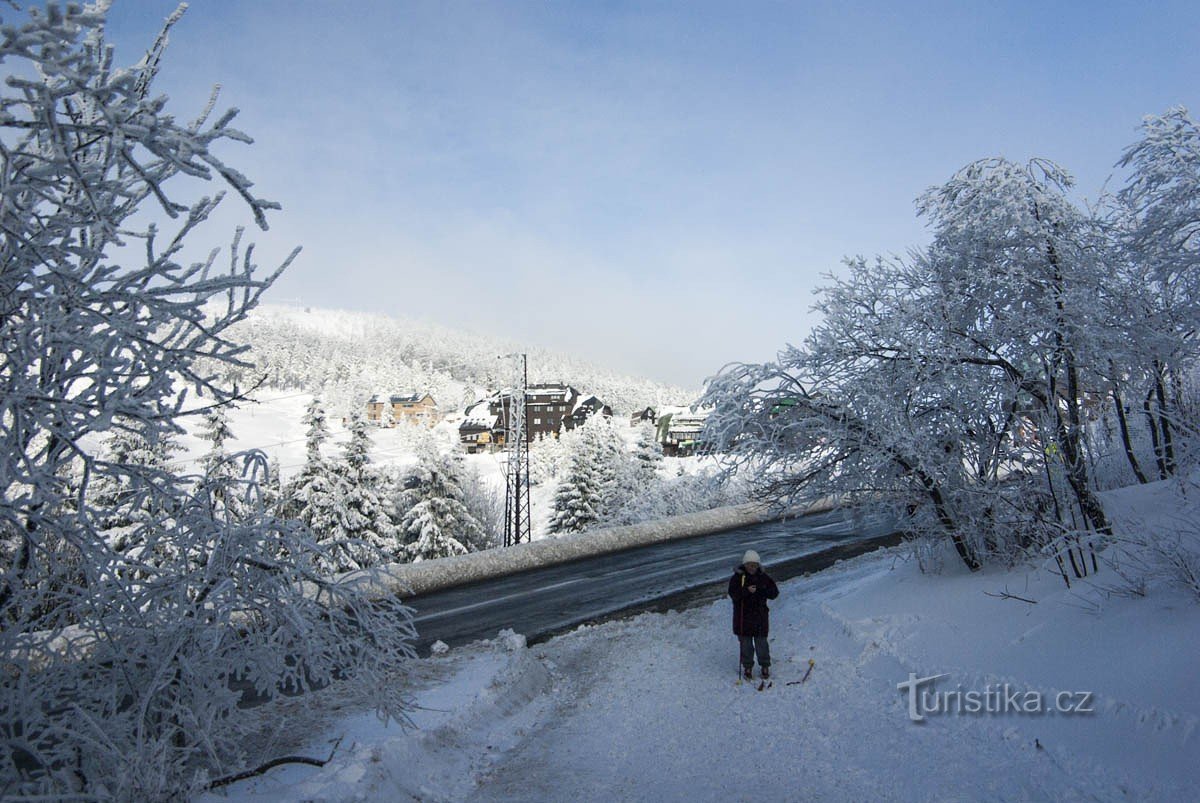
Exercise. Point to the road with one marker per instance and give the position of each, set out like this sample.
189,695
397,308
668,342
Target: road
543,602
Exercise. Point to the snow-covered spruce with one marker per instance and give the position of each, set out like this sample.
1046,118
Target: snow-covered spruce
435,518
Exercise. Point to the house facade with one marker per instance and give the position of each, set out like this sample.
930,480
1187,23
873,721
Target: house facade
415,408
584,409
482,429
549,408
645,416
680,430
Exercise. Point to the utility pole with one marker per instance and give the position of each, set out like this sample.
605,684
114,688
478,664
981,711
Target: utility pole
517,526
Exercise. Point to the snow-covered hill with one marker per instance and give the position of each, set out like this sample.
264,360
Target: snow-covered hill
347,356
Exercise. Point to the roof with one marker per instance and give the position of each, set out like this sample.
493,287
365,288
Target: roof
591,402
479,415
411,398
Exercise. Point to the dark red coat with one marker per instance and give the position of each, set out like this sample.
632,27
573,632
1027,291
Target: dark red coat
750,614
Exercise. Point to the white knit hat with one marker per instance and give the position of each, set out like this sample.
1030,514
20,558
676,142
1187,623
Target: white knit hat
751,557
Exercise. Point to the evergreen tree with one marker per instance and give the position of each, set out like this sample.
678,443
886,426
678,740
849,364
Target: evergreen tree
647,456
580,495
311,497
436,520
362,514
614,467
272,488
138,482
221,476
388,418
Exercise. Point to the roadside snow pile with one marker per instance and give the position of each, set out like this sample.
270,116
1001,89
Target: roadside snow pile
484,701
431,575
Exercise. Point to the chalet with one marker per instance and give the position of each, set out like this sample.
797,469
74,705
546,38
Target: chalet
645,416
416,408
546,406
680,429
585,408
482,428
548,409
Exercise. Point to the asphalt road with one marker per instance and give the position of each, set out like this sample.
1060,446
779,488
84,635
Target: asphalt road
543,602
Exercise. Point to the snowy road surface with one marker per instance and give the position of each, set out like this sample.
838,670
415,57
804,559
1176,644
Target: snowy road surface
552,599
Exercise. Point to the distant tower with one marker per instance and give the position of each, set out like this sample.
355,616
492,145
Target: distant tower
517,527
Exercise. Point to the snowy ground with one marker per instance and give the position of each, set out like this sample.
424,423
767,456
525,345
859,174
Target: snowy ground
648,708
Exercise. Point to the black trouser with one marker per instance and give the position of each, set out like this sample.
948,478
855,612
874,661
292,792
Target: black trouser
755,644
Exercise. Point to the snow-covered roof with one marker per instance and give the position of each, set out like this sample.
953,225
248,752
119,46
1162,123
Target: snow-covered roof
480,414
394,398
588,401
683,414
411,398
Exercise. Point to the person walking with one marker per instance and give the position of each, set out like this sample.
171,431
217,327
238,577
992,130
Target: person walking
750,588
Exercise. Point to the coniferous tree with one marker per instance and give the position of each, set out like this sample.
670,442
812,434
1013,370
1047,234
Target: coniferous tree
362,514
221,477
436,521
311,497
140,481
648,456
580,495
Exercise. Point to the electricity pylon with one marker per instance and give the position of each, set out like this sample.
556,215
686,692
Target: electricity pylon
517,527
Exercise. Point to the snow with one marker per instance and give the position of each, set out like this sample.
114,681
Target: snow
648,708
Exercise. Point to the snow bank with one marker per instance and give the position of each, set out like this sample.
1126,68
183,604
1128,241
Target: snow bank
472,707
413,579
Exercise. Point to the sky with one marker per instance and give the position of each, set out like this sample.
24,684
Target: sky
657,187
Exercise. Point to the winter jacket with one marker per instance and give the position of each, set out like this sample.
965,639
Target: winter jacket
750,614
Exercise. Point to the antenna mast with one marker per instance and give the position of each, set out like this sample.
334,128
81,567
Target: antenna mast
517,527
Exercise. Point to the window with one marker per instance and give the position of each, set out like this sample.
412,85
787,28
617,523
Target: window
537,420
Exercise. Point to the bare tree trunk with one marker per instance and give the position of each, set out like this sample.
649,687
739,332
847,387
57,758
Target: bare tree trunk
1155,440
1164,419
1125,441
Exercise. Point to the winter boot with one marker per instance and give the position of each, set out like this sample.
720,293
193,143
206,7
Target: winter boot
766,673
748,672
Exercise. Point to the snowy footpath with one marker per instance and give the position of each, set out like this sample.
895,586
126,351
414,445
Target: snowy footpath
648,708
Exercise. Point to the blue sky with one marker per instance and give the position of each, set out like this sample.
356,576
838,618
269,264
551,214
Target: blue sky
654,186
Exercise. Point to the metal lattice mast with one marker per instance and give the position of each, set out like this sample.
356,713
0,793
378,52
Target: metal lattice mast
517,526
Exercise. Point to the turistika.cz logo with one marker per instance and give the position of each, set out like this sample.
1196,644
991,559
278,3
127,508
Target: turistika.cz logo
1000,698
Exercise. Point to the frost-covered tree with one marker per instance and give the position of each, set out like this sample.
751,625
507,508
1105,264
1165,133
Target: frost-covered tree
579,495
647,455
964,386
1155,222
272,488
362,528
484,501
139,455
435,519
617,467
586,491
547,458
950,385
118,662
312,496
221,484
